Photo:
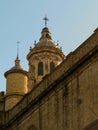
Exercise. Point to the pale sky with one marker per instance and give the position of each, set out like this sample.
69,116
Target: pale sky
70,22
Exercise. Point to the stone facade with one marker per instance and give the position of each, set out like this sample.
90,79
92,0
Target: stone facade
66,99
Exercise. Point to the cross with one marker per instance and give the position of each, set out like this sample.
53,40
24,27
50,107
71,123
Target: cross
18,49
46,19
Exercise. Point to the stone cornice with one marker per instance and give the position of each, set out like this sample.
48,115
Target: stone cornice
36,50
15,71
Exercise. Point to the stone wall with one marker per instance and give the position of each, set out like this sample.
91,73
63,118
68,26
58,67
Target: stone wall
66,99
71,60
92,126
72,103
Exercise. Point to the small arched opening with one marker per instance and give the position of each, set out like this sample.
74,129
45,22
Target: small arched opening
52,66
40,68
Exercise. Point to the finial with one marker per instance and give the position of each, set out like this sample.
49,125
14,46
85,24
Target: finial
17,61
46,19
18,49
30,48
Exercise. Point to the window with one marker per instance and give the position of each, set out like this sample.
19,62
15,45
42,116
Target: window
40,68
52,66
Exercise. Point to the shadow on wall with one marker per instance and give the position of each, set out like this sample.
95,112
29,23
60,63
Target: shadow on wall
92,126
32,128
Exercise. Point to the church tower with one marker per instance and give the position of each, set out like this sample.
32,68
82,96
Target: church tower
16,85
43,58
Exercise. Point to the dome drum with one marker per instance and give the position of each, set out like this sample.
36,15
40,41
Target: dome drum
37,50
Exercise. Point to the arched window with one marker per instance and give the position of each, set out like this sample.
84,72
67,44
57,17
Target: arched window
52,66
40,68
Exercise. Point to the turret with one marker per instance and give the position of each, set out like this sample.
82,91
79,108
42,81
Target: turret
16,85
43,58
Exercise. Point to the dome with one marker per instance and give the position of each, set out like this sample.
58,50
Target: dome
45,42
45,39
16,69
17,65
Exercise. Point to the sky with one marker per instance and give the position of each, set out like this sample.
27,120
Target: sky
71,22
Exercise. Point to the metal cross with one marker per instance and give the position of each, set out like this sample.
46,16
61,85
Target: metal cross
46,19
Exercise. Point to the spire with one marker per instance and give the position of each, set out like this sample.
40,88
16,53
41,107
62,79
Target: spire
17,61
18,49
46,20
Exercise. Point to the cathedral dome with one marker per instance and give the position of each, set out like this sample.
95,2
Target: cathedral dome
45,42
45,39
44,57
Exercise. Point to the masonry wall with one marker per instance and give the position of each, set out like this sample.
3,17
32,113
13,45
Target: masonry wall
71,105
83,96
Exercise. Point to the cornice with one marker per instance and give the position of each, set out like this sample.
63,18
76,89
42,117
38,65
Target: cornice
15,71
37,50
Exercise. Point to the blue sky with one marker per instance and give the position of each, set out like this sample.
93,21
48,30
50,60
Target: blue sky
70,21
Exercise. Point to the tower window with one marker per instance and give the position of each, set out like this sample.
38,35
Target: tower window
52,66
40,68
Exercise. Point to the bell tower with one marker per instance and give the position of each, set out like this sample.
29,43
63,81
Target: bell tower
43,57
